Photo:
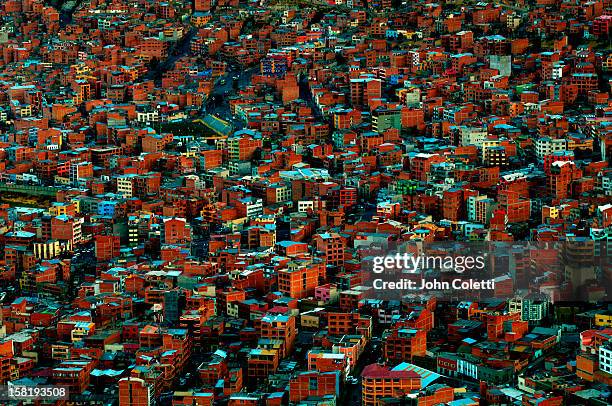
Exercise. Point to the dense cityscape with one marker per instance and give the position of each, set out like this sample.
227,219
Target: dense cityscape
308,202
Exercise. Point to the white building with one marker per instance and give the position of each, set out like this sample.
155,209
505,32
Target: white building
125,185
605,357
473,135
147,116
546,146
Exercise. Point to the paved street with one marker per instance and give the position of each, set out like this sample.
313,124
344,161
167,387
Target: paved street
218,100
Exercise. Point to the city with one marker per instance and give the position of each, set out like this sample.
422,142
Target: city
309,202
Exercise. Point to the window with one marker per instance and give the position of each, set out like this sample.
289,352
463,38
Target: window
312,384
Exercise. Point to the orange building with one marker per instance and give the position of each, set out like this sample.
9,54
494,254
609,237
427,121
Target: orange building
560,178
381,381
322,361
176,231
243,145
403,344
278,326
192,398
66,228
134,392
300,278
314,383
107,247
261,363
364,90
349,323
331,248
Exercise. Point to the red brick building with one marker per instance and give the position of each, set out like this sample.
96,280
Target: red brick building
107,247
313,383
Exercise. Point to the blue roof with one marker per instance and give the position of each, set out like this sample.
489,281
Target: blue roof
427,376
287,243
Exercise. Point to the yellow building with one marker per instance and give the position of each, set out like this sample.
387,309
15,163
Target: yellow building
603,318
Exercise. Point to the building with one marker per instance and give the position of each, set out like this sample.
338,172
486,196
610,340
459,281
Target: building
381,381
548,146
314,383
280,327
79,171
402,344
134,392
67,228
385,118
243,144
107,247
331,248
262,363
300,278
531,308
560,178
605,357
364,90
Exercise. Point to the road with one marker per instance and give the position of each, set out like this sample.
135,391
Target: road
180,49
351,393
218,103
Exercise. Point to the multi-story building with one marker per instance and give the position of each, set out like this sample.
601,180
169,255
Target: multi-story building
280,327
548,146
385,118
243,144
107,247
403,344
605,357
382,381
79,171
300,278
262,363
331,248
315,384
531,308
364,90
67,228
134,392
560,178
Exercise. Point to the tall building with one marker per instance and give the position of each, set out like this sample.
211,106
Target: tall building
107,247
262,363
364,90
79,171
605,357
202,5
243,145
176,231
67,228
452,204
134,392
300,278
532,308
560,178
280,327
313,383
402,344
331,248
